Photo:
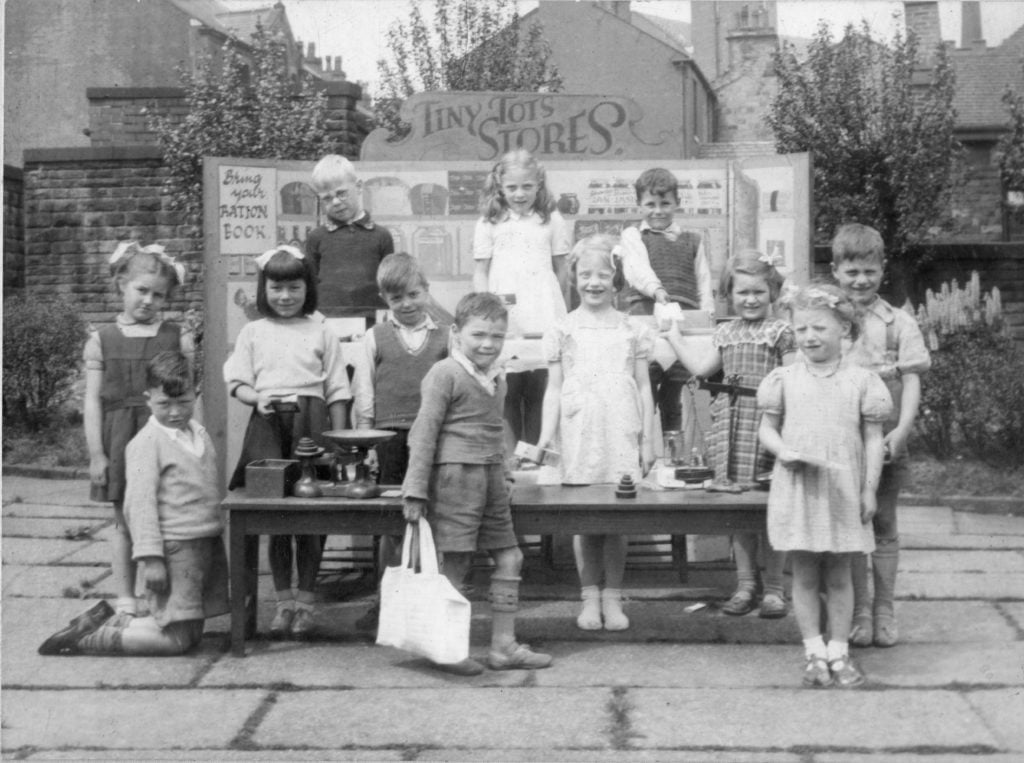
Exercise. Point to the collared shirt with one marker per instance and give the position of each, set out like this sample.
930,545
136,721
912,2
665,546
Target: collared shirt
363,221
488,379
364,380
636,264
190,439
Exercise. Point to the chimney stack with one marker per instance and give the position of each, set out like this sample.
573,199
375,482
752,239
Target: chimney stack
970,29
923,20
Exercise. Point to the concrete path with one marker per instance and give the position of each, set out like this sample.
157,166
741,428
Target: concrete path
676,687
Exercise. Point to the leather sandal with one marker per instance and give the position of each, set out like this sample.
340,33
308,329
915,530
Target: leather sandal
741,603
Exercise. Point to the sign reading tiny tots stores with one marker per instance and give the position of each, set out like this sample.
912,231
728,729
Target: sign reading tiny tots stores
247,209
453,126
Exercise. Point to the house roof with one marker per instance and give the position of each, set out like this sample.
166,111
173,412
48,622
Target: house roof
675,34
982,76
239,25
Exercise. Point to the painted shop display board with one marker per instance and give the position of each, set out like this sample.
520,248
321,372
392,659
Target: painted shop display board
431,208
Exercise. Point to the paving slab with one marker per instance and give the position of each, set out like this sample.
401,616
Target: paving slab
39,551
952,622
440,718
988,561
1002,710
1015,612
223,754
20,580
164,719
960,585
959,541
926,519
945,665
28,622
669,665
339,666
33,490
610,756
774,719
32,527
91,511
97,552
989,524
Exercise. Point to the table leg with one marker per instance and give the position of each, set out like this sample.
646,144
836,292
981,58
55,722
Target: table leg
679,557
238,569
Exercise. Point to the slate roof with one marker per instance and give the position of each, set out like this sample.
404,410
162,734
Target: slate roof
982,76
239,25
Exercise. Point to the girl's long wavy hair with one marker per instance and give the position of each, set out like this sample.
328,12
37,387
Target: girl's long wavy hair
493,206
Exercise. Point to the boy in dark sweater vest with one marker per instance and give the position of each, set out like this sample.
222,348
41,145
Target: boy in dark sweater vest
457,473
386,387
664,263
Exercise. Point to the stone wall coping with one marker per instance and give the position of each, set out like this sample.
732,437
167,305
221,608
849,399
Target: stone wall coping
129,93
90,154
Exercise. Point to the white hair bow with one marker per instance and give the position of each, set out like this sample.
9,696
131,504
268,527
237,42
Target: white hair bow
131,248
773,259
263,259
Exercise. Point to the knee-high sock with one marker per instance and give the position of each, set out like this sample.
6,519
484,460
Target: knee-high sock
885,561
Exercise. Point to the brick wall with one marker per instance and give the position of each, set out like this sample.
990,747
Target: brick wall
14,241
79,203
119,116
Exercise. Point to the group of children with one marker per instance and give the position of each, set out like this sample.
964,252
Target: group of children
814,371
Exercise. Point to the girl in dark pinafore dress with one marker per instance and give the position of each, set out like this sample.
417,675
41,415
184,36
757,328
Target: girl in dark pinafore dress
288,353
115,380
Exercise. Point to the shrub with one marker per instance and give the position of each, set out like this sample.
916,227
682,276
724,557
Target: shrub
42,345
972,400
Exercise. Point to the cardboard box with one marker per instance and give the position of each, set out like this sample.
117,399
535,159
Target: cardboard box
271,477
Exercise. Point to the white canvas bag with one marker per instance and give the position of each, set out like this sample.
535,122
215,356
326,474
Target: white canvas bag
422,612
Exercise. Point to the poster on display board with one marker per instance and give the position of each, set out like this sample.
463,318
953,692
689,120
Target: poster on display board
431,209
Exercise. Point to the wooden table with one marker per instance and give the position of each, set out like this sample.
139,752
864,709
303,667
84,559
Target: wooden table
536,510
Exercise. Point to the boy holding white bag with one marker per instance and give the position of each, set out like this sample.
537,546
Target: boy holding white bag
457,474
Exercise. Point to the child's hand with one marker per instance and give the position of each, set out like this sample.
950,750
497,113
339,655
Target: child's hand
895,442
790,459
154,573
264,404
98,469
661,296
647,454
413,509
868,505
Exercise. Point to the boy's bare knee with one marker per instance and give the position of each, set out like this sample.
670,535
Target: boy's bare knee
508,561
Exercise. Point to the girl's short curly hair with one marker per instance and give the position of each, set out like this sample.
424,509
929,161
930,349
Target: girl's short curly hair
823,296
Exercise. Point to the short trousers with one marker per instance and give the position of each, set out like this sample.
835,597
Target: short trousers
197,577
469,508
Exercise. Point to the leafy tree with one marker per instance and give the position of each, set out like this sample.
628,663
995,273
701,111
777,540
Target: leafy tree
881,133
247,104
467,45
1010,148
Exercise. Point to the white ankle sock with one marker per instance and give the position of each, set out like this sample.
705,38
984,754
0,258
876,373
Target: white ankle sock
815,647
611,609
590,616
837,649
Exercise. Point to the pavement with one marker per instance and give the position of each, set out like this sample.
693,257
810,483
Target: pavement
677,686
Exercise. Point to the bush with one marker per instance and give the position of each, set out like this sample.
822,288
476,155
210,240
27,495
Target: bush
972,401
42,346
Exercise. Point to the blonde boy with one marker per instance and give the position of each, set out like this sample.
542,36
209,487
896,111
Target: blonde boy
892,345
349,246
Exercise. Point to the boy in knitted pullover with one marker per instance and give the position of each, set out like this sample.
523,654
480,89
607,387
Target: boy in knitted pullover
664,263
172,506
457,473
